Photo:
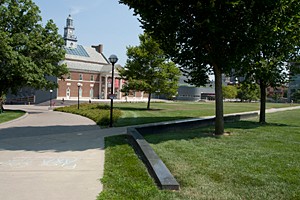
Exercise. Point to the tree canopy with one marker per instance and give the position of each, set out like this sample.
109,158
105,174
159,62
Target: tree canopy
277,44
229,92
205,36
29,51
147,69
248,92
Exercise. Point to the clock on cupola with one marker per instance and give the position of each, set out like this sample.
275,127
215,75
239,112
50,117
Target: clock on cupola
69,37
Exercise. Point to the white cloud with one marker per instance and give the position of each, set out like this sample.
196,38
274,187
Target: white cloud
79,6
74,10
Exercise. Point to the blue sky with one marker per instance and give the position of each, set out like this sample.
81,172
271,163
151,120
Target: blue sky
96,22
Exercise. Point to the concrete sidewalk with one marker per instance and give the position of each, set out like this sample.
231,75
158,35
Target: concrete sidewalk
51,156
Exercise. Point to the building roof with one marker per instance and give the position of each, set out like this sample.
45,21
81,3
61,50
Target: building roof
79,51
86,59
85,54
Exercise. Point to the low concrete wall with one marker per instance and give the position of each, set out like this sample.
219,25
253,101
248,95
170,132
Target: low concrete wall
156,167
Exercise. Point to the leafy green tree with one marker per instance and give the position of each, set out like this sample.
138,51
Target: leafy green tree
29,51
277,42
248,92
296,96
204,36
229,92
147,69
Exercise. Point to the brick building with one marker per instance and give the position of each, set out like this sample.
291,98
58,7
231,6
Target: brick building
89,70
89,75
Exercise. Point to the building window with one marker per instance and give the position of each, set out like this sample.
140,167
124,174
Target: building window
91,93
92,77
68,93
69,76
80,77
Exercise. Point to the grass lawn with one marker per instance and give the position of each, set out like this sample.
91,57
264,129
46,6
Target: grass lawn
127,114
253,162
10,115
136,113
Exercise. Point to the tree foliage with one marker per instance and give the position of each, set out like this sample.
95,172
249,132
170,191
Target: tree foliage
200,36
29,51
248,92
229,92
147,69
296,96
276,33
205,36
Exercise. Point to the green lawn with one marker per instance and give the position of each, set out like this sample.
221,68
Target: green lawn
136,113
253,162
127,114
10,115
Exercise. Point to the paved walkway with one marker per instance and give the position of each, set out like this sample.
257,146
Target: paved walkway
51,156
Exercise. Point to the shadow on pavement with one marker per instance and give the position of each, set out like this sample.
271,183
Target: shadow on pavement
54,138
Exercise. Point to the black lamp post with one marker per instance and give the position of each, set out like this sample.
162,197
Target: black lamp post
50,98
78,85
112,59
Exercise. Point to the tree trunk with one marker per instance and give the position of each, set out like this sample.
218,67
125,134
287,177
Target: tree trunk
1,103
262,115
149,98
219,123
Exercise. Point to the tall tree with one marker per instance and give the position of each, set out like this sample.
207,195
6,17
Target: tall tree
204,36
147,69
277,42
29,51
201,36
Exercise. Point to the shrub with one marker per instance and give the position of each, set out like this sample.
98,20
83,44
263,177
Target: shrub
103,106
99,113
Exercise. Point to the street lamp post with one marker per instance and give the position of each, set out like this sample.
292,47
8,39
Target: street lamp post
50,98
78,85
112,59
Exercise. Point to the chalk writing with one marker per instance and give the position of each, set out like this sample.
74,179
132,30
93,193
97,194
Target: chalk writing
18,162
22,162
67,163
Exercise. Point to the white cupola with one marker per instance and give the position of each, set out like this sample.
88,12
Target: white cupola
69,36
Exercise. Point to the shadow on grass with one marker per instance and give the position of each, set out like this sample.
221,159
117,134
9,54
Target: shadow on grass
146,120
117,140
187,134
251,125
204,132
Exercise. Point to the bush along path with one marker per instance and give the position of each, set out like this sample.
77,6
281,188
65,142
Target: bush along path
100,113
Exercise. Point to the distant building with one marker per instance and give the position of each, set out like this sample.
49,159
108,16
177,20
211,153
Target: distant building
187,92
89,74
87,67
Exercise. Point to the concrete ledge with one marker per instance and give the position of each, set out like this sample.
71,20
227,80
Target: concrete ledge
157,169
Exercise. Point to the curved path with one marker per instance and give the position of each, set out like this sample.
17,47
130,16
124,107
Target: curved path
51,156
